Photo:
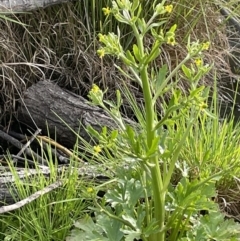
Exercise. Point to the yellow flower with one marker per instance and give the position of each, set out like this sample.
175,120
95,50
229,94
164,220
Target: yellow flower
101,53
90,190
169,8
205,46
203,106
101,37
97,149
106,11
171,40
95,89
198,62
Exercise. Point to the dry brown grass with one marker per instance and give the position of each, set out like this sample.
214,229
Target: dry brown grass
229,200
57,44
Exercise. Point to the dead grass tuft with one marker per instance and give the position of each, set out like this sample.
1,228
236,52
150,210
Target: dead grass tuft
59,45
229,200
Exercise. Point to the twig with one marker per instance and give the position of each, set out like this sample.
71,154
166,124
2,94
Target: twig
23,159
9,208
19,145
86,171
61,158
28,143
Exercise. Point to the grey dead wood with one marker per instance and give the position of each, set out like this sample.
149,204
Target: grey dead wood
65,114
55,152
14,6
27,144
31,198
60,113
8,188
24,148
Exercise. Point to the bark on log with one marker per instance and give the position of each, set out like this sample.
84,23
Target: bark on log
46,102
13,6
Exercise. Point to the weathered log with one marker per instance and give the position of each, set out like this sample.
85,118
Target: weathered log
13,6
8,189
56,111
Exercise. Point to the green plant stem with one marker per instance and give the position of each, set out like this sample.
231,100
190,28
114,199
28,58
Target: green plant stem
148,108
153,51
143,238
159,200
157,184
146,89
147,205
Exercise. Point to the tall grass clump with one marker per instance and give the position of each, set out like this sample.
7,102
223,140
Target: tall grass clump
50,216
142,202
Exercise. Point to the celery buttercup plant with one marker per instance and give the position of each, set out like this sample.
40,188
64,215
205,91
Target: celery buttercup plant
144,204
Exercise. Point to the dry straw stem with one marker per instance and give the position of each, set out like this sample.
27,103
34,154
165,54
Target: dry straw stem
58,146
